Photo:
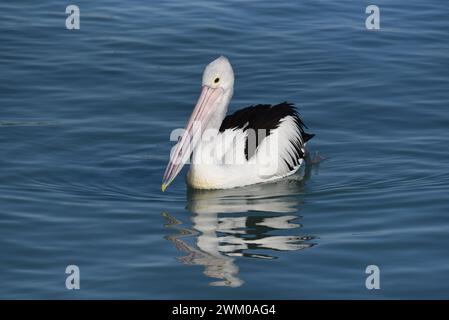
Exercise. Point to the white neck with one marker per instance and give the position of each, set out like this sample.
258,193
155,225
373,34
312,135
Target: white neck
220,111
213,125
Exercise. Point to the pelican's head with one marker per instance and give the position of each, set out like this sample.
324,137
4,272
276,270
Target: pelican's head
209,112
219,75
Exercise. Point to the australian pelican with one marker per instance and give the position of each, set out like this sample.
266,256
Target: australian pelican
256,144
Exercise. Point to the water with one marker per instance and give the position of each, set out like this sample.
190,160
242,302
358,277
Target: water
85,119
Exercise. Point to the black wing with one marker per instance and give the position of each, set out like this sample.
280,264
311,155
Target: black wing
268,117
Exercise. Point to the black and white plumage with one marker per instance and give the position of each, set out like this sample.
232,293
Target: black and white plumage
256,144
269,117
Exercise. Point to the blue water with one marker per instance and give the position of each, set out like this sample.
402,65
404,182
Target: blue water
85,120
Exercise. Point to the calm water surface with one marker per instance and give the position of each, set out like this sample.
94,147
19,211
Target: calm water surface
85,120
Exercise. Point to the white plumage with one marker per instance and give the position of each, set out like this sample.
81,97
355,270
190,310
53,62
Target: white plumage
221,163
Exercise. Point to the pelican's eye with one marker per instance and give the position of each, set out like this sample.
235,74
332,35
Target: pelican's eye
216,80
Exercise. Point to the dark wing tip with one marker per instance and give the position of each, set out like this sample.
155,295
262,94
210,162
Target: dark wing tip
307,136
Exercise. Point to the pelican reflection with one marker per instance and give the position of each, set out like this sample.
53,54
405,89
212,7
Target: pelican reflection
255,221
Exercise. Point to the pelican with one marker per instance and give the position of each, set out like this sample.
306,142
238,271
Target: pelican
257,144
